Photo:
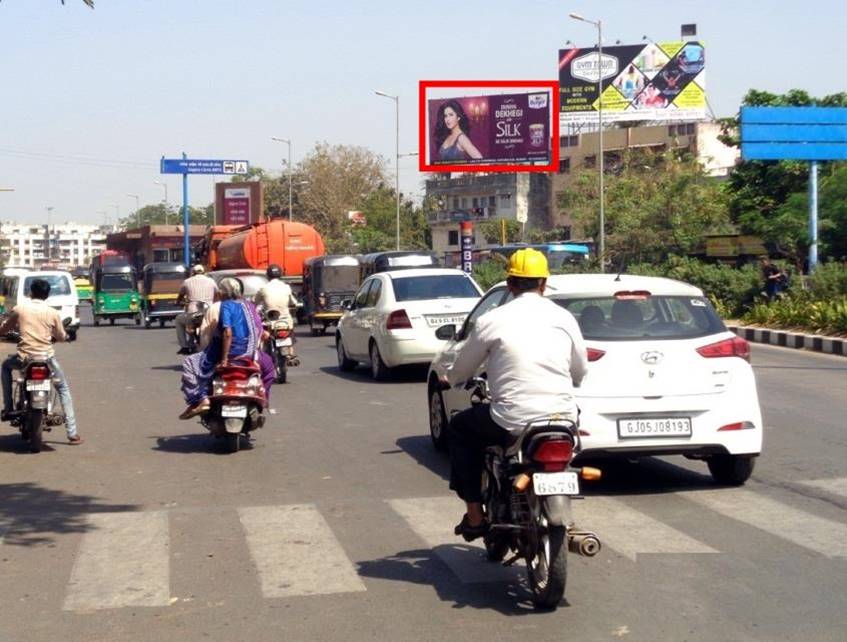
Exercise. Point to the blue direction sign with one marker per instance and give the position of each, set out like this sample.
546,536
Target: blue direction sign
201,166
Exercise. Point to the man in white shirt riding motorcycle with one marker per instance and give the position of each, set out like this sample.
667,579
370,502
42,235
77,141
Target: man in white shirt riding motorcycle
534,356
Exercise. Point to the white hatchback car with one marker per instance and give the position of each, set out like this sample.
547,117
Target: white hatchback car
665,376
393,317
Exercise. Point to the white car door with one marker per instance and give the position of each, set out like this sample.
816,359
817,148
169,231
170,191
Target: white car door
352,331
457,398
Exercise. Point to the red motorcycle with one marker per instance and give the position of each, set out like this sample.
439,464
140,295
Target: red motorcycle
237,403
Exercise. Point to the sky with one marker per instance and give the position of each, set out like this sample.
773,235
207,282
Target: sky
92,99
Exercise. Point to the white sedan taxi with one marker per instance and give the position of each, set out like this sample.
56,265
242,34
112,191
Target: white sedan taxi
393,317
665,376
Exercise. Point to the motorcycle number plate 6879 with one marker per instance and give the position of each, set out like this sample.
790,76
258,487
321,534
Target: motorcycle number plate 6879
35,385
555,483
283,343
233,411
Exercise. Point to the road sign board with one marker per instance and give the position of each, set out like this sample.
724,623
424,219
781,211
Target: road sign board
200,166
794,133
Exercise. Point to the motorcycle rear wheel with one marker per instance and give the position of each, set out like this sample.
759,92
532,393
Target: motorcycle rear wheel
548,569
34,427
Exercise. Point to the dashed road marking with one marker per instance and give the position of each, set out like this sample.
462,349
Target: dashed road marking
122,561
296,552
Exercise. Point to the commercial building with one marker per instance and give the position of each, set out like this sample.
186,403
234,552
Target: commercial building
66,246
522,197
533,198
154,242
579,150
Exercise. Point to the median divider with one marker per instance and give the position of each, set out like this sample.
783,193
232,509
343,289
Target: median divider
789,339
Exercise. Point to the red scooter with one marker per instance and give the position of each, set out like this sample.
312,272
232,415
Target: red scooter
237,402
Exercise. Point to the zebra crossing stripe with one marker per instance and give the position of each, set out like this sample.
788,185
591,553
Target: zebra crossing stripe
629,531
824,536
296,553
433,520
123,560
836,486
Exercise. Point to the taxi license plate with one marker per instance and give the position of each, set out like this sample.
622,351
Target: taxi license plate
555,483
233,411
437,321
36,385
654,427
283,343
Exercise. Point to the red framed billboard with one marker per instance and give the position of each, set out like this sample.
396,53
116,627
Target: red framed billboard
512,127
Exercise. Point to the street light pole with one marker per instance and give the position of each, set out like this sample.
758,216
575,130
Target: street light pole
287,141
165,185
396,100
137,209
601,250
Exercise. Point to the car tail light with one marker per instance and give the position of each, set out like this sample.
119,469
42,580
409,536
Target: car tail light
741,425
398,320
554,454
595,355
39,373
734,347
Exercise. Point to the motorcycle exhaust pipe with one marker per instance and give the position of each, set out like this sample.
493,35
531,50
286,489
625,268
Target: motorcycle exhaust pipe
583,543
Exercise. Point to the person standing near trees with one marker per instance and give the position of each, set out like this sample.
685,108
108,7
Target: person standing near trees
774,278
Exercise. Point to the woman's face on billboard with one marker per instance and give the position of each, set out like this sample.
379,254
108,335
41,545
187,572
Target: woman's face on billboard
451,119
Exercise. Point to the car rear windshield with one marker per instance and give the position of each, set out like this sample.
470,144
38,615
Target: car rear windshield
59,284
436,286
652,317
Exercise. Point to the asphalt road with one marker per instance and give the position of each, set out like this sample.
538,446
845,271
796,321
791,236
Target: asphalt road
336,525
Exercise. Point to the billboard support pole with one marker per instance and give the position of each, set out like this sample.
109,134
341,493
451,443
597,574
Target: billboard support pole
186,254
602,248
813,215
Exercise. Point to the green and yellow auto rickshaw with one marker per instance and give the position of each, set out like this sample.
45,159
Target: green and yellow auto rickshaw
115,294
84,289
160,284
327,282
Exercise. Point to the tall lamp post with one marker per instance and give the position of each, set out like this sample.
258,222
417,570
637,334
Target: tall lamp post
165,185
599,24
137,210
287,141
396,100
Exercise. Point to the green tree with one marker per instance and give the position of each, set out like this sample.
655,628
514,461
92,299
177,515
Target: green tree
493,231
161,214
336,179
656,205
759,191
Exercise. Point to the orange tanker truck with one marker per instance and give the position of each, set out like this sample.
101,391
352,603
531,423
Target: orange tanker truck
255,247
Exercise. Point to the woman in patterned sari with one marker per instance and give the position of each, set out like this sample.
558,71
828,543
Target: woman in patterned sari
238,335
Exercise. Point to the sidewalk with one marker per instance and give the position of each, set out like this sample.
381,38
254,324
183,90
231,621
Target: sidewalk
790,339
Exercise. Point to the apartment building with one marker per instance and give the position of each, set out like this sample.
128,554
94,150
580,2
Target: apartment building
66,246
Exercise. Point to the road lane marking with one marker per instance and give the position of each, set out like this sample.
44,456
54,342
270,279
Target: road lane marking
836,486
123,560
296,553
433,520
629,531
824,536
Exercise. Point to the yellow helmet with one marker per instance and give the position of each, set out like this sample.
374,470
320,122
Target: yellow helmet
528,264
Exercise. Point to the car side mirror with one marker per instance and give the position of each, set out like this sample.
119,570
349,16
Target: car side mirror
446,332
347,304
